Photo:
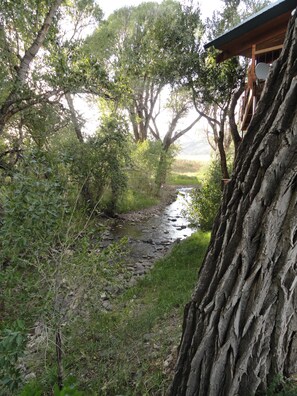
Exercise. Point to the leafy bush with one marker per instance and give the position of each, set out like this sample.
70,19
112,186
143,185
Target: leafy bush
99,164
280,386
35,389
12,345
33,205
205,200
145,160
151,164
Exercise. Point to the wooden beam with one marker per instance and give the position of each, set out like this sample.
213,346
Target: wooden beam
270,49
268,35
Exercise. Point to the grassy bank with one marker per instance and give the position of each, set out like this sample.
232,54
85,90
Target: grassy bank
131,350
187,172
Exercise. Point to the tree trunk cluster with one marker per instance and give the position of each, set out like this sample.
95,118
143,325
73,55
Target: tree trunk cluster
240,327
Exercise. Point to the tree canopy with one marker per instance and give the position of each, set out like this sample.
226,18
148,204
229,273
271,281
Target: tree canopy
145,49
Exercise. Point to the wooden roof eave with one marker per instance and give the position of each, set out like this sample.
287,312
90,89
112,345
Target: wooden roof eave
267,36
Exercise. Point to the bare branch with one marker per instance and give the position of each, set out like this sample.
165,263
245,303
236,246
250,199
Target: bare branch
184,131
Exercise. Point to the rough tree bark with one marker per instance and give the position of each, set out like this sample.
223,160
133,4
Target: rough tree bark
240,327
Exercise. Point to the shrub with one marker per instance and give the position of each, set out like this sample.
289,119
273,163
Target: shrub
145,160
33,205
12,346
205,200
99,164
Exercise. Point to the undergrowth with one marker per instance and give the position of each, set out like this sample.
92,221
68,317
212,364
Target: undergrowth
123,351
136,200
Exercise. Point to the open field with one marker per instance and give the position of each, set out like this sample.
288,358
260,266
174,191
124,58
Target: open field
187,172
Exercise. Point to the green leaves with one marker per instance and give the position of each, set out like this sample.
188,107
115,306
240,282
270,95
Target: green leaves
215,83
152,40
12,345
34,206
100,162
206,199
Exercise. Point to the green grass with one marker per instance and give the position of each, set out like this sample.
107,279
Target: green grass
186,172
184,180
123,351
133,200
186,166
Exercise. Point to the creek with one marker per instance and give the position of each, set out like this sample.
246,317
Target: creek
150,239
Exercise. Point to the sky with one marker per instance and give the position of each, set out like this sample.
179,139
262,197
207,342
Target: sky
108,6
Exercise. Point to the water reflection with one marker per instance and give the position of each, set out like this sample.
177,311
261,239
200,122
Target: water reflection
166,227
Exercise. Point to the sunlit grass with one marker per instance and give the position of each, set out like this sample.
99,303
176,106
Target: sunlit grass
133,200
186,172
184,180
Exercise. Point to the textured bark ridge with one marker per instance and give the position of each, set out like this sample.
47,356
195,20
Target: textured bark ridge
240,328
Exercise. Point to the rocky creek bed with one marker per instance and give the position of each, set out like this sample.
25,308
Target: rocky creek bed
150,234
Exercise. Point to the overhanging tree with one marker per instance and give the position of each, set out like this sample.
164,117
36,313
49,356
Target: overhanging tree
240,327
41,60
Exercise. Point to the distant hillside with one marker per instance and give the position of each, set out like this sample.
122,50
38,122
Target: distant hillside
194,146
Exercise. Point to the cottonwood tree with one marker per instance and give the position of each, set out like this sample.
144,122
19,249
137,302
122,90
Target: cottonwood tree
216,91
146,49
20,45
179,104
41,62
240,327
148,52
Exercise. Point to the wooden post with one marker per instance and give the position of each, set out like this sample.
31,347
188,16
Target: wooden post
253,73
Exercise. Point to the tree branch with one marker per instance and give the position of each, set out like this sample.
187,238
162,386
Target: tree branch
233,127
32,51
74,118
181,133
211,120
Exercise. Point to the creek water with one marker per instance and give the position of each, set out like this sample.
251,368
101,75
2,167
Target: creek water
151,238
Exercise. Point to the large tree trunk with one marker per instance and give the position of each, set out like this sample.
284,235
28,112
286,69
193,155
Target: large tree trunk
240,328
